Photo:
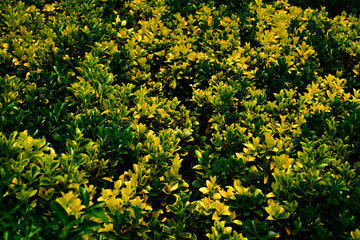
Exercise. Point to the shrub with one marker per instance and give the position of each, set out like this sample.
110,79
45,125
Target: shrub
178,120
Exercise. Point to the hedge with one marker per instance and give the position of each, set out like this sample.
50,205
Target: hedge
155,119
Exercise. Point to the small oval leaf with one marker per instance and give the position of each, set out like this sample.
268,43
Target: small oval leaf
84,195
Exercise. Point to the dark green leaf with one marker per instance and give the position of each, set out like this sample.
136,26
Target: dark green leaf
271,234
71,221
75,235
96,212
59,211
34,171
45,182
84,196
197,184
89,225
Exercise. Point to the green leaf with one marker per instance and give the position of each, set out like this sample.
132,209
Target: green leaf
84,196
89,225
45,181
34,171
6,176
56,70
9,213
59,211
185,235
197,184
271,234
57,137
75,235
70,222
6,235
85,142
96,212
259,212
98,205
54,165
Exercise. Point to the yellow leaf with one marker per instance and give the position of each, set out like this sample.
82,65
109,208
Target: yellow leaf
107,179
288,230
46,193
76,207
269,140
198,154
107,228
299,165
237,222
216,196
191,56
355,234
222,209
117,184
227,230
228,193
204,190
157,213
117,19
148,207
142,61
172,84
270,195
213,179
33,203
272,165
113,204
237,183
249,146
138,202
49,8
209,185
174,187
266,178
15,61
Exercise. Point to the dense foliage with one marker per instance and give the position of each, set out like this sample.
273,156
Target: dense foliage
155,119
333,7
